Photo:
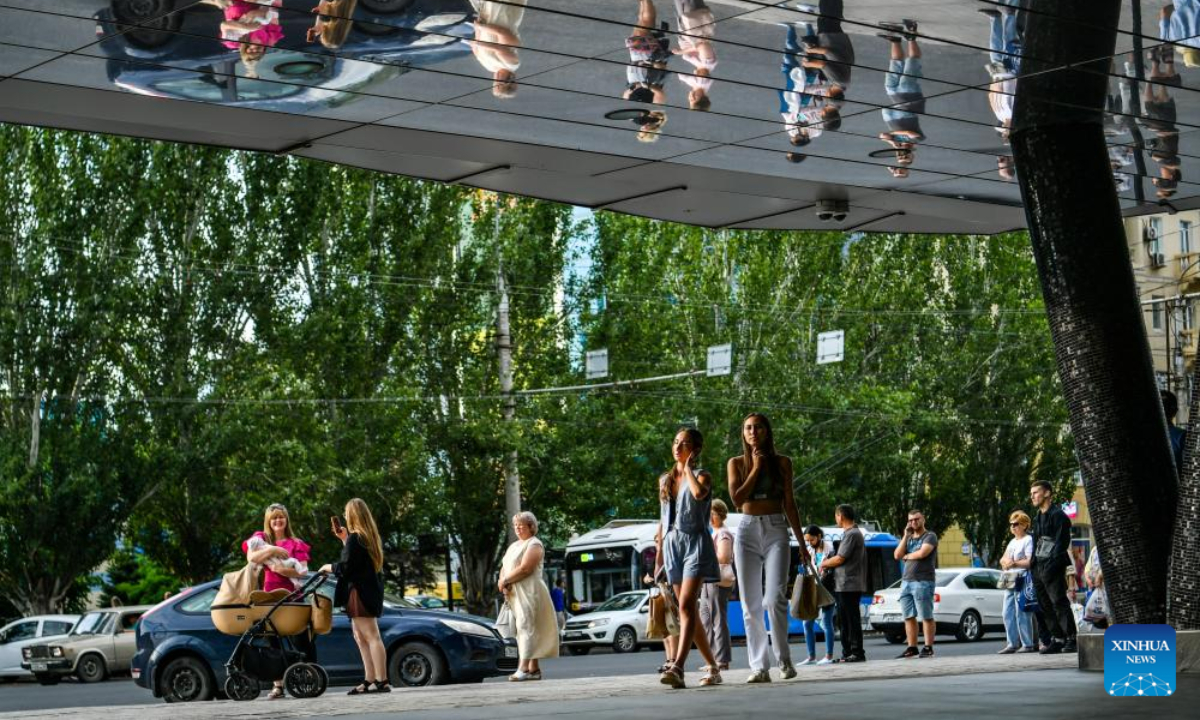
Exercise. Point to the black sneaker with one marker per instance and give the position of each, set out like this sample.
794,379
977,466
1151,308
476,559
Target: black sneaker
1069,646
1054,648
909,652
927,651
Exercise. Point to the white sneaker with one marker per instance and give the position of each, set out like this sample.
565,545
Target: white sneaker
786,671
825,661
810,9
806,661
758,676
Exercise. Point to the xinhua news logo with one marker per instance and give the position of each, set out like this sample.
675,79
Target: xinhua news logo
1139,660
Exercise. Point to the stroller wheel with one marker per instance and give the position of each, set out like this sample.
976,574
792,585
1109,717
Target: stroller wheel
303,680
240,686
324,678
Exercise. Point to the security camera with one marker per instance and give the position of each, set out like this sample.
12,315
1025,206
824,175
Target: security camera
835,210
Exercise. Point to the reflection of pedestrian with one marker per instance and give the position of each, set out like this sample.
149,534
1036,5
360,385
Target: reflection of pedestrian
1004,40
808,102
251,28
497,40
830,50
649,51
903,86
696,29
1180,23
333,23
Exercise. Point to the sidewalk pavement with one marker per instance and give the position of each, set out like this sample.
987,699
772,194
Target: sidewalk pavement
1026,686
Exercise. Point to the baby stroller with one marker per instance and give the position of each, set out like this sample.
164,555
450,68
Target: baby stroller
268,623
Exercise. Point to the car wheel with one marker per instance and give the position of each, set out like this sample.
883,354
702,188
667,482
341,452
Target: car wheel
625,640
385,7
894,638
91,668
415,664
47,679
148,24
578,650
185,679
970,627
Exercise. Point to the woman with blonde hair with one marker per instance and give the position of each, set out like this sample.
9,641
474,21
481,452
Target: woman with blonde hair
528,598
284,558
333,23
360,591
1018,625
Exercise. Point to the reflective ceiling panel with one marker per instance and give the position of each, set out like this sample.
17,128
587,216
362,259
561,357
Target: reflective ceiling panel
722,113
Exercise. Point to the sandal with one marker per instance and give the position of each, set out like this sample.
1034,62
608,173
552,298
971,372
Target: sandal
381,686
672,676
362,688
275,694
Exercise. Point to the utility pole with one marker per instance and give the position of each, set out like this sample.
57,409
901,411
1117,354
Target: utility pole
508,402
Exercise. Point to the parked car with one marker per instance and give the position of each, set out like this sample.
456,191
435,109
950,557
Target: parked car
181,655
36,630
966,604
101,643
619,622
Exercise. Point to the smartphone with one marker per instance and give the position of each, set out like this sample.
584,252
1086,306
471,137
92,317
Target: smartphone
336,523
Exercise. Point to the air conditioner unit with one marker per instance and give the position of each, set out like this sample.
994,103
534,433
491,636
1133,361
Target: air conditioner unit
1158,259
1148,233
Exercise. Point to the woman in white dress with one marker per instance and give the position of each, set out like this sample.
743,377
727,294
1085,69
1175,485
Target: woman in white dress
497,40
528,599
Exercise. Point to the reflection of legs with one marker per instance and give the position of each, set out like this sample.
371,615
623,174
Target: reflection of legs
647,17
778,558
690,627
747,553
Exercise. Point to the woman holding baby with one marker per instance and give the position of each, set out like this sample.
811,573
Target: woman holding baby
284,558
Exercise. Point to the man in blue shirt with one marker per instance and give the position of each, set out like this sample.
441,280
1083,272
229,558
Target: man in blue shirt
559,597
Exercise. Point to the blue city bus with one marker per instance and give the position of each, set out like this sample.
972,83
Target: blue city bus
615,559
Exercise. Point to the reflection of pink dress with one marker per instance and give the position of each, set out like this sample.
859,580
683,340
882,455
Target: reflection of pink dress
269,32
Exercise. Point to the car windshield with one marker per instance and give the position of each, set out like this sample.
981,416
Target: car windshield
624,601
92,623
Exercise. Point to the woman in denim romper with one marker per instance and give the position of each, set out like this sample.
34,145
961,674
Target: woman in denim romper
687,552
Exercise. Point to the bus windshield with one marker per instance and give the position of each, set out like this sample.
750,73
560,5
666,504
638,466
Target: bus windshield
597,575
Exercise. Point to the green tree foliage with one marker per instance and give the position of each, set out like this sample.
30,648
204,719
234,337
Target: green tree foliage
132,578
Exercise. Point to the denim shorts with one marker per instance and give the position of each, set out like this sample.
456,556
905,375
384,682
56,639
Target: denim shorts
916,599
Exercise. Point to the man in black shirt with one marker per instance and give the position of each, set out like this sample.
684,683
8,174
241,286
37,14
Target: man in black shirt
1051,555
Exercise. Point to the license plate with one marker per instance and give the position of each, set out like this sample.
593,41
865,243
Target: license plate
891,618
510,652
40,667
574,636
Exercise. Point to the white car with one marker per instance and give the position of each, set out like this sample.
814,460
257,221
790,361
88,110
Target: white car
966,603
619,622
29,631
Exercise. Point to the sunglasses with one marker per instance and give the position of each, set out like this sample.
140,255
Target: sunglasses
1016,524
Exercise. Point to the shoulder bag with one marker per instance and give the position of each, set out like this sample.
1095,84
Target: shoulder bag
506,624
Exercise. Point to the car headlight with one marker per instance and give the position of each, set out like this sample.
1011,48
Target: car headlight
469,628
56,651
598,623
26,653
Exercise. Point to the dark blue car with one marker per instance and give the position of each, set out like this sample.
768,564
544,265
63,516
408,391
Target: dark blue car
181,656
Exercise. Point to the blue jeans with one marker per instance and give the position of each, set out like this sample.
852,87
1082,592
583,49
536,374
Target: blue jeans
810,632
1003,43
1018,626
916,599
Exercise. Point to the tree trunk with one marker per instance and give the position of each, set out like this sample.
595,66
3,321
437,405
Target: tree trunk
508,408
1091,299
35,430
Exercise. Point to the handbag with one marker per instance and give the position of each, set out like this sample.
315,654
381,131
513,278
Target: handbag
1096,610
804,605
506,624
1009,580
656,623
1027,600
824,597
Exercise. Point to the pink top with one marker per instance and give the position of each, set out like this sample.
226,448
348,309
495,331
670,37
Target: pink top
296,548
268,34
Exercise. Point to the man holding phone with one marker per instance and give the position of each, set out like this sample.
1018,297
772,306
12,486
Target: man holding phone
918,550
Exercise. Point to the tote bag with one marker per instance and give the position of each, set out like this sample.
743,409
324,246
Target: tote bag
656,622
804,598
506,624
1027,600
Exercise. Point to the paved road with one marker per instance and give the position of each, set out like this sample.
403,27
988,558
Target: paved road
599,663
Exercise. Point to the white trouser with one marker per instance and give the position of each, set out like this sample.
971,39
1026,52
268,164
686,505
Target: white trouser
762,545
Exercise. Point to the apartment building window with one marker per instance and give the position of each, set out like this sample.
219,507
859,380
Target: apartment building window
1187,315
1156,312
1185,237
